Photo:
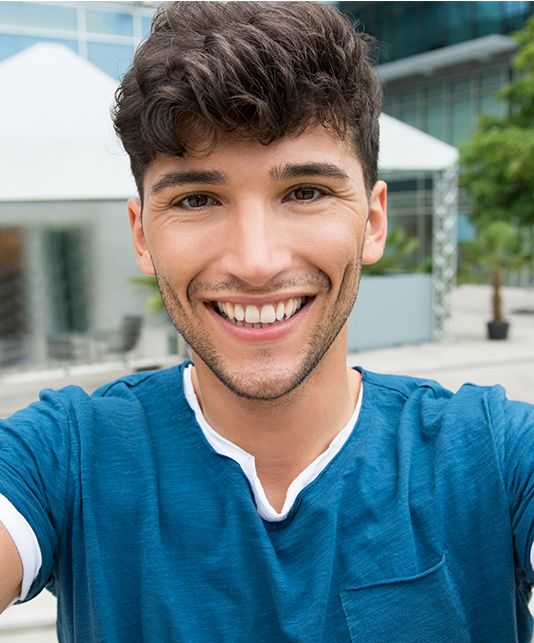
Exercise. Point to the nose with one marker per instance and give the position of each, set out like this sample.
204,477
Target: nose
255,248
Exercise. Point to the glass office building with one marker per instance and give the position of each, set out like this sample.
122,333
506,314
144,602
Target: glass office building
106,33
409,28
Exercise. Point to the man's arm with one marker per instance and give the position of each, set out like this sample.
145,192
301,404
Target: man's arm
10,569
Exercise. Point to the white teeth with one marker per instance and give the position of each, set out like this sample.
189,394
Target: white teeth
268,315
253,316
290,307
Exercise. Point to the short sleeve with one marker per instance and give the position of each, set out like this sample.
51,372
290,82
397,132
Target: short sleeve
514,424
34,469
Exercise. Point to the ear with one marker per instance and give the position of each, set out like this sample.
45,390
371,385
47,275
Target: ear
142,253
376,229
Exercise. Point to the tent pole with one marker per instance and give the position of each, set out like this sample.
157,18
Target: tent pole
444,251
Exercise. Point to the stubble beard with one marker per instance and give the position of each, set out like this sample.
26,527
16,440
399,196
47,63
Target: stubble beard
267,383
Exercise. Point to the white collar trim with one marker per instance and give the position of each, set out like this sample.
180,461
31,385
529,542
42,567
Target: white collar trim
224,447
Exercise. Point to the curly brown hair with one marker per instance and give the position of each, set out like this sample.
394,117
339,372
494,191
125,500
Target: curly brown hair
255,70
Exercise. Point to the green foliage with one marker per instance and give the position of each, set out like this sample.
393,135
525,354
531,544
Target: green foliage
498,162
497,249
397,257
154,302
499,244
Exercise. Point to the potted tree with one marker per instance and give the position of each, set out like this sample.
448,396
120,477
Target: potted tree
497,250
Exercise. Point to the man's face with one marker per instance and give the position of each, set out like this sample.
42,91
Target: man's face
257,250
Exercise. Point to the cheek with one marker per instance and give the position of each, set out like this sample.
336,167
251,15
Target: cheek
335,246
178,253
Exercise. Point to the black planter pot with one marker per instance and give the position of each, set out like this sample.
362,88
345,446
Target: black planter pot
498,330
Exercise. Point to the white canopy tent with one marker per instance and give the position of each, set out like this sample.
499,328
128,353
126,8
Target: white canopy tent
56,137
403,148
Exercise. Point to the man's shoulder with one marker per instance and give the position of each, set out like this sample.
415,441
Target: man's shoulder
426,401
471,415
138,397
408,386
144,382
403,386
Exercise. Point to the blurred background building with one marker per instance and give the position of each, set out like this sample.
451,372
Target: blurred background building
440,64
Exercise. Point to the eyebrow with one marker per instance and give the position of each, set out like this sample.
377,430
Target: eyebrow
188,177
298,170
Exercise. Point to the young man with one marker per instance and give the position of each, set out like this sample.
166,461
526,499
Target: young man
265,492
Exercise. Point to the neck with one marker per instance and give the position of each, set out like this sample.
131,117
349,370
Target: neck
287,434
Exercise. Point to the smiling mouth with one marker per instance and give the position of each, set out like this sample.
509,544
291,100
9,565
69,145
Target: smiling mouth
252,316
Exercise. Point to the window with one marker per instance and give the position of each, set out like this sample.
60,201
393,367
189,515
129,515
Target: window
38,14
120,24
435,121
491,105
66,250
113,59
461,120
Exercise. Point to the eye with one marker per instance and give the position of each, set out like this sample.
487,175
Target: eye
196,202
305,193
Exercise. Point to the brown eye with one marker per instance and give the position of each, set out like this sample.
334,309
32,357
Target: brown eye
196,201
305,194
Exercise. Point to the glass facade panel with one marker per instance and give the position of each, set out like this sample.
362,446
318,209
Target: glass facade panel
13,44
434,121
430,29
460,86
461,121
434,91
145,26
120,24
113,59
490,80
409,116
409,97
66,251
407,29
515,12
466,230
491,105
488,17
387,102
459,14
38,14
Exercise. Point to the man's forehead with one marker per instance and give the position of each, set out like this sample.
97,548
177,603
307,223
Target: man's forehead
316,152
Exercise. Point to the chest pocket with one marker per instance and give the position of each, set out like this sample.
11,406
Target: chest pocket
425,607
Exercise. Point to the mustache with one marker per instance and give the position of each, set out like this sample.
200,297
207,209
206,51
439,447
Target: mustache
234,284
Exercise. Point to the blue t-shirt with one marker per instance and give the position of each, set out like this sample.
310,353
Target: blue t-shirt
420,529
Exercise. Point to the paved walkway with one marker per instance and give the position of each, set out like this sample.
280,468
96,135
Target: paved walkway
471,357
